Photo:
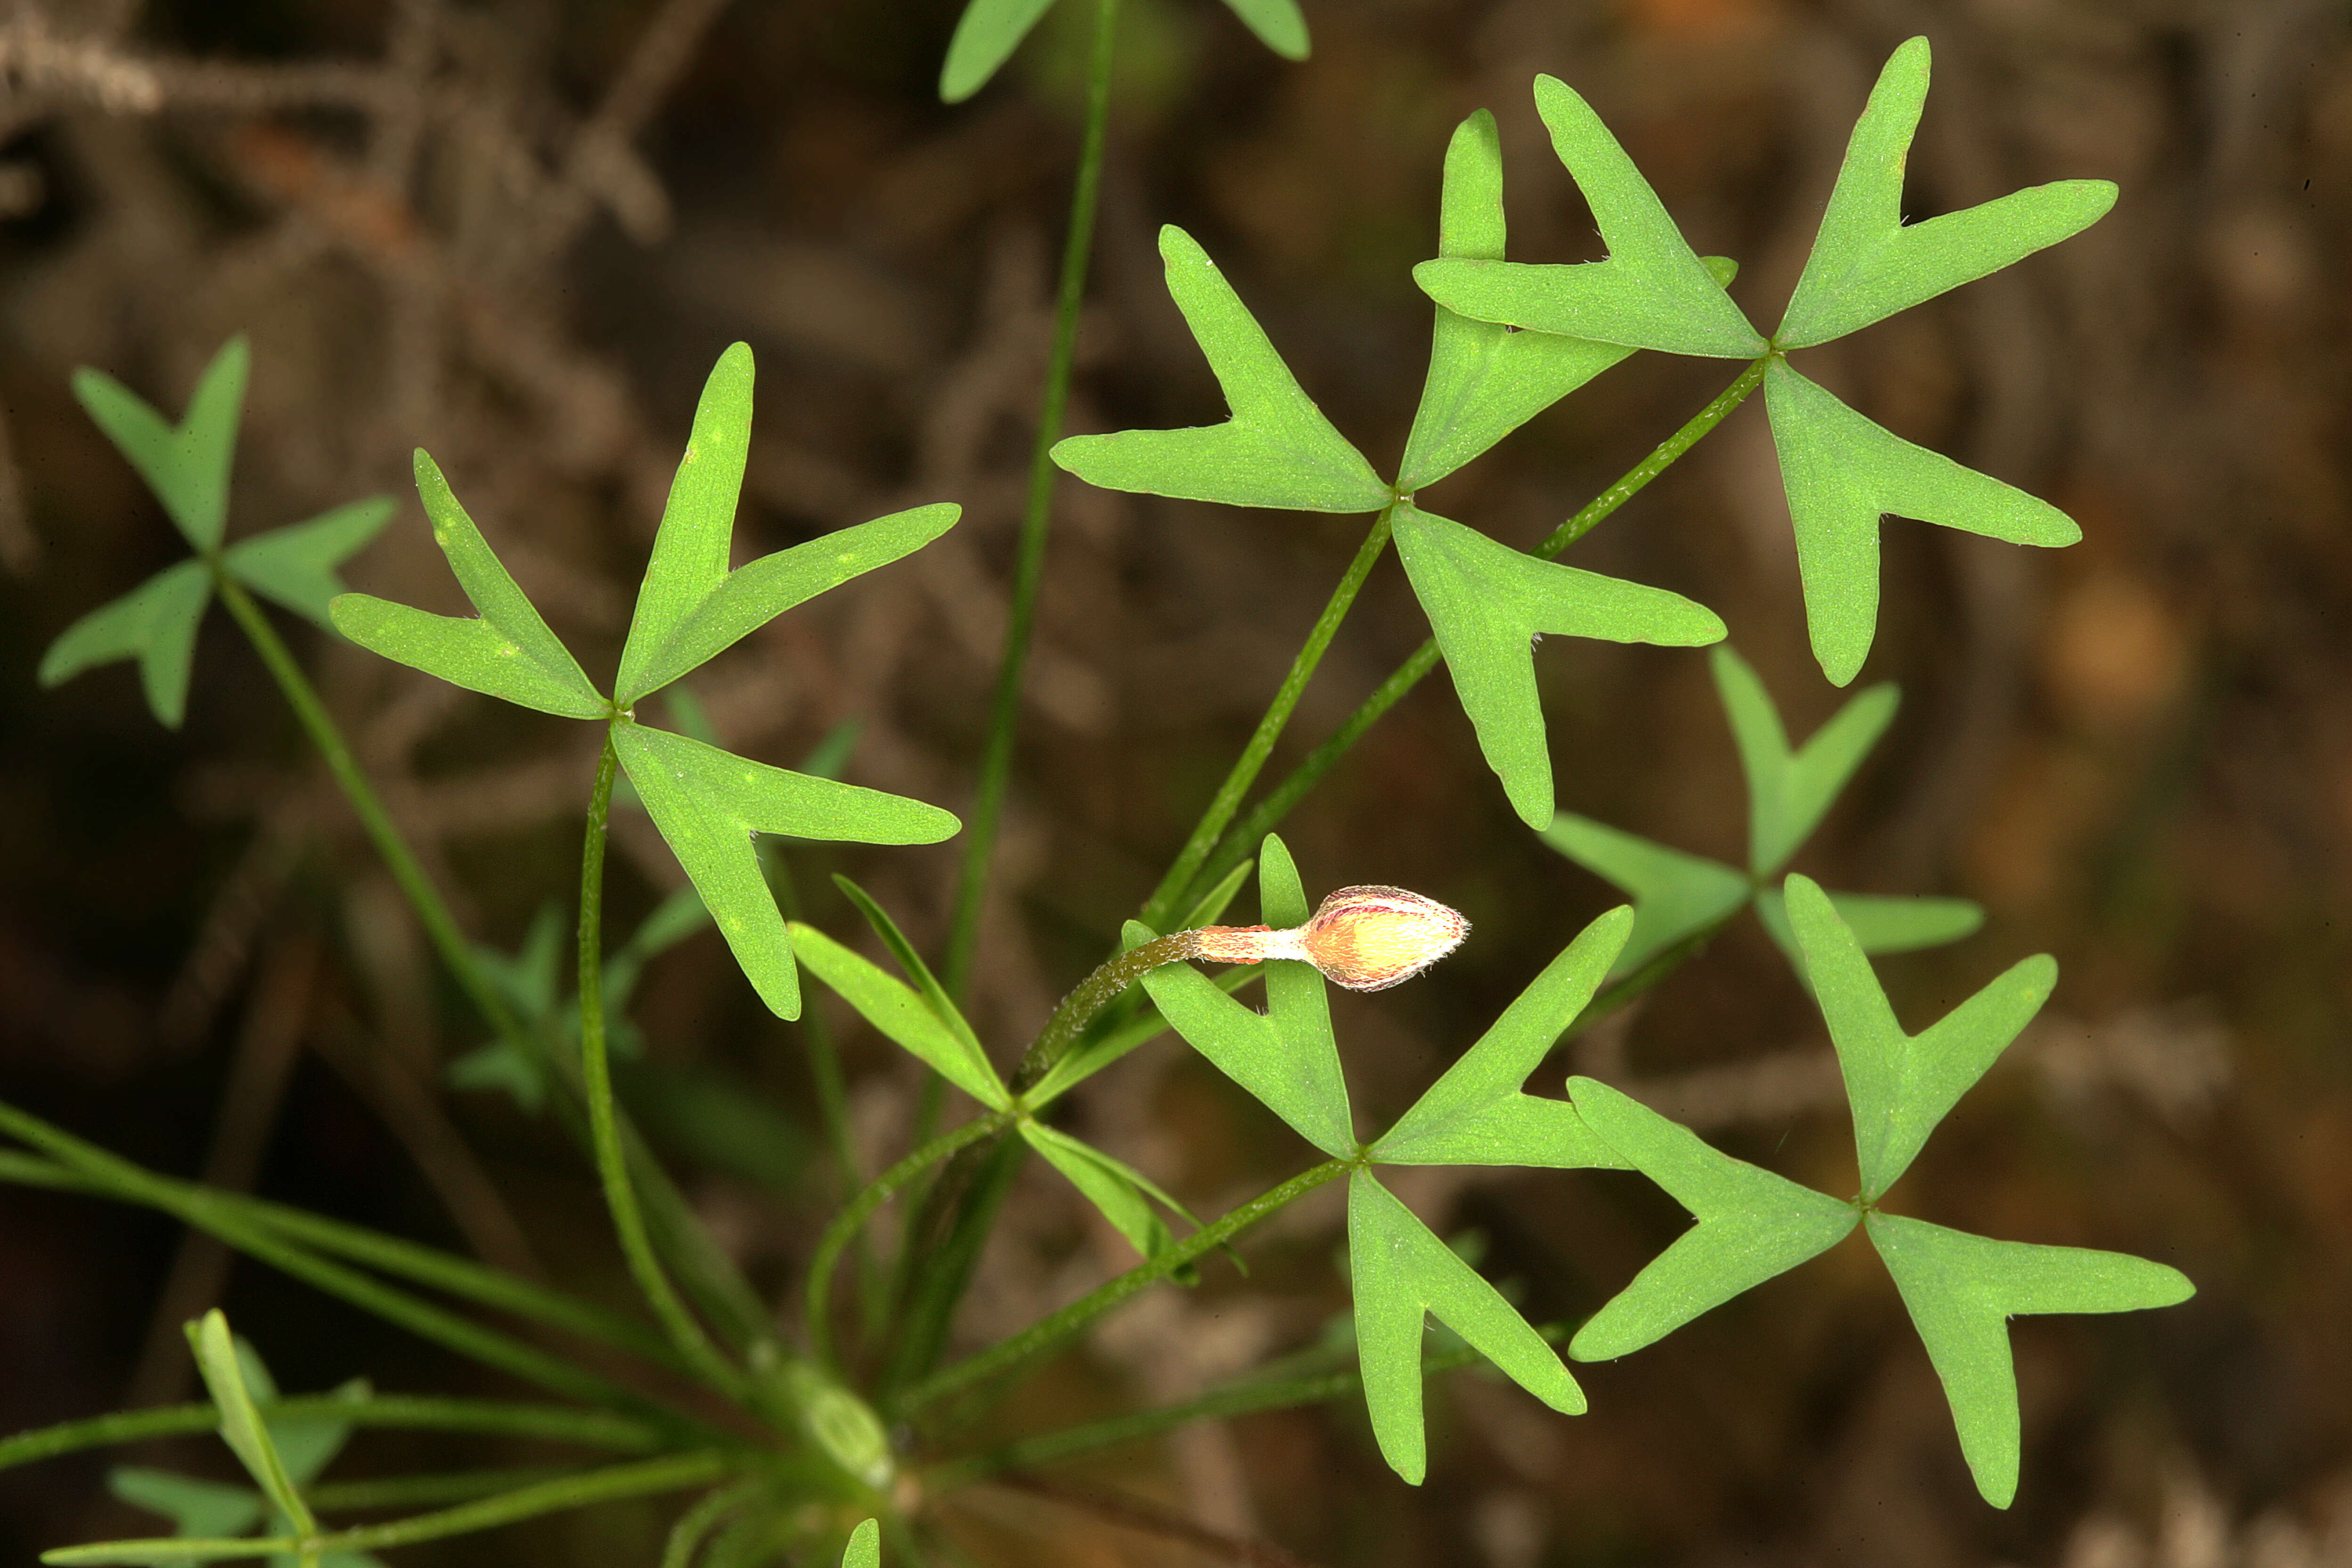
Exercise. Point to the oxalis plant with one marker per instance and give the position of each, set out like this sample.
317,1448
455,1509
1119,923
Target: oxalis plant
810,1445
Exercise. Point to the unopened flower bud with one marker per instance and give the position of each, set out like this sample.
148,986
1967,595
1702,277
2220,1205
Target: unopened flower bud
1366,939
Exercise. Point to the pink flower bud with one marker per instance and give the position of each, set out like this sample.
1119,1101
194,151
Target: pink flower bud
1366,939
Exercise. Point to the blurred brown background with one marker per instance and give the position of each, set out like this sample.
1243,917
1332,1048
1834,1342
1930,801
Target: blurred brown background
517,232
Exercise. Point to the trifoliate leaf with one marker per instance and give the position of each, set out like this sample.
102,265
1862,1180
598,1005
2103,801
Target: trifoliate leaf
1788,793
1962,1290
1842,474
507,653
1286,1056
208,1509
241,1427
1401,1273
1866,265
1276,23
690,608
155,624
1487,603
186,466
295,564
708,802
1479,1113
1653,292
893,1008
1879,922
1752,1225
1674,895
985,36
1901,1085
864,1548
1484,380
1118,1189
1277,450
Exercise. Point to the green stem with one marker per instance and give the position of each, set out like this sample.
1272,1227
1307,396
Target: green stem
1029,563
641,1480
620,1196
1278,801
1052,1330
1168,898
424,1491
686,1537
590,1428
1090,996
846,1224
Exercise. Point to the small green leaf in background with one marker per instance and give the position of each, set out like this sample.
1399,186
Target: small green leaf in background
893,1008
1278,449
708,802
1653,292
1285,1057
1479,1113
1788,793
1118,1189
1880,922
1961,1290
206,1510
187,465
1401,1271
1487,603
864,1548
1277,24
507,653
295,565
1867,263
1842,474
990,30
1752,1225
241,1427
1901,1085
1674,895
155,624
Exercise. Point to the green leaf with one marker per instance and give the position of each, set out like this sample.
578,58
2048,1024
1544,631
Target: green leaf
194,1507
985,36
1285,1057
1401,1271
1880,923
1276,23
1277,450
187,467
1842,474
689,607
1674,895
864,1548
1484,380
1095,1052
1752,1225
1119,1190
934,994
1787,794
155,624
893,1008
708,802
295,564
1866,265
1901,1085
241,1425
1653,292
1487,603
1961,1290
507,653
1478,1114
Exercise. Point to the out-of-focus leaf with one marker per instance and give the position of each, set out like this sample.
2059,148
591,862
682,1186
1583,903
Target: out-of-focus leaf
1653,292
1276,23
155,624
507,653
1842,474
209,1510
1674,895
1867,263
1752,1225
1901,1085
892,1007
1401,1271
1879,922
1961,1290
985,36
186,466
241,1427
1788,790
295,564
1278,449
1478,1114
1487,603
708,802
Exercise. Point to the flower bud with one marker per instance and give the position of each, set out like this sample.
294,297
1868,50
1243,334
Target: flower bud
1366,939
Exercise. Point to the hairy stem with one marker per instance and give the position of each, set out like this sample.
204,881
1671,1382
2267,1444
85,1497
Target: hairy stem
1029,565
693,1345
1090,996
